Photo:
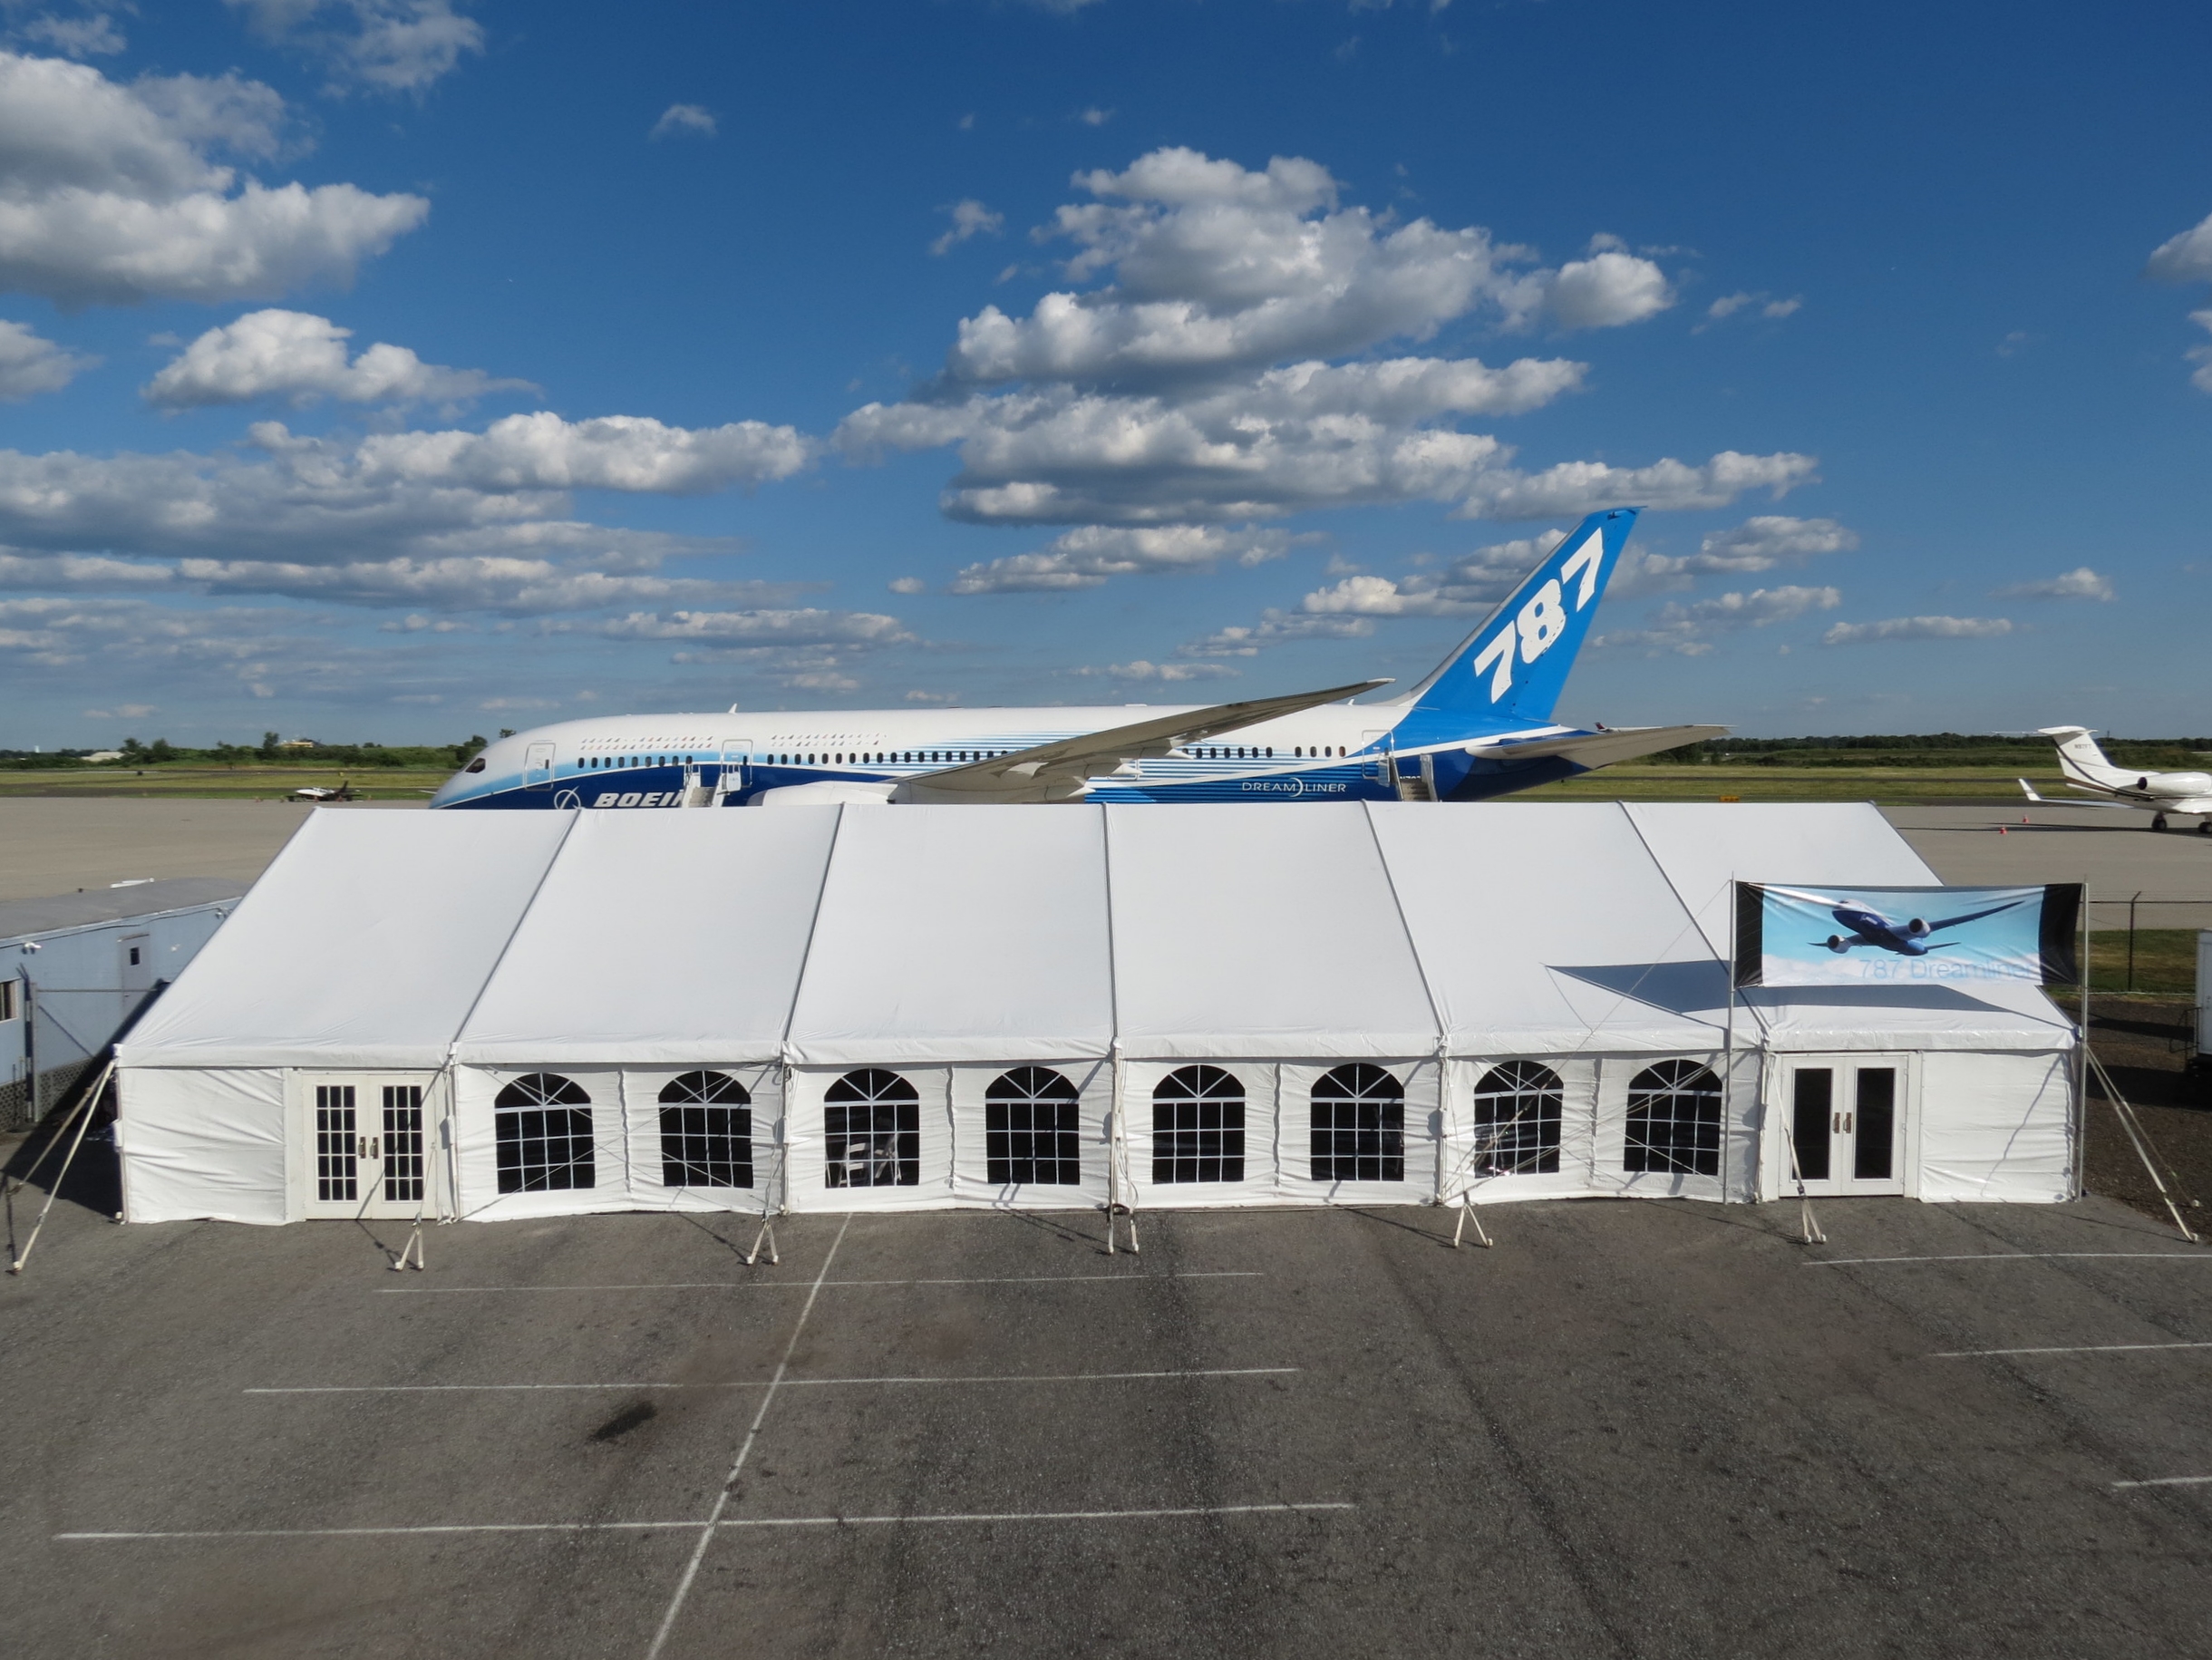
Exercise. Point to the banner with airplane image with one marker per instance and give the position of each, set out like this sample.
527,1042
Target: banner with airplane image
1906,935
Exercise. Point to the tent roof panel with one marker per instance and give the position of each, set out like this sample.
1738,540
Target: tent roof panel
1243,931
659,937
1548,928
954,934
363,945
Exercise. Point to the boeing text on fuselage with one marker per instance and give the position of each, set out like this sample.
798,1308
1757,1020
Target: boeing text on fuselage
1479,726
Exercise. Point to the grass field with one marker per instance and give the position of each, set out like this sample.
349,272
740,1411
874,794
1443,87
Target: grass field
249,780
1933,784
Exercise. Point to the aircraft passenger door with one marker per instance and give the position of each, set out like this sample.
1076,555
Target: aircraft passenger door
736,755
1845,1118
1380,763
366,1151
538,766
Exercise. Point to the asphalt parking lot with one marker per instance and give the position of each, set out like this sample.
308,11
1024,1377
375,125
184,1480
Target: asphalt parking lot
1631,1429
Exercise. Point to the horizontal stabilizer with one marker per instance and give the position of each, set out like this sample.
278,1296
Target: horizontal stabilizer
1597,749
1061,771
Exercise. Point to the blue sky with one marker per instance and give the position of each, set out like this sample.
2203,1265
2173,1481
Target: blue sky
397,369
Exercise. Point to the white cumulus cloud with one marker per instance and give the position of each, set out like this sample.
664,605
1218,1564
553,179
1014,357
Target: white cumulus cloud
1688,629
30,364
1759,543
93,36
388,46
679,119
1275,628
300,357
2080,583
543,451
1088,556
1918,628
109,193
1163,673
1607,290
1219,269
970,219
2187,258
1582,487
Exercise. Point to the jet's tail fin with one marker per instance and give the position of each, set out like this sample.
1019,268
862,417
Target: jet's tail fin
1510,672
2080,758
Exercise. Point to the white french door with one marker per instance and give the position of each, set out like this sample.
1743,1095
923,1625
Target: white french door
1845,1120
367,1150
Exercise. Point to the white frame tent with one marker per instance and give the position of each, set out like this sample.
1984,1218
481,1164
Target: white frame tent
935,1006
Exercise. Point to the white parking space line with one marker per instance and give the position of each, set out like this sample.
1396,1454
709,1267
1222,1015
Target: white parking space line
1163,1513
1854,1262
2169,1481
489,1526
777,1381
2079,1348
1193,1509
745,1452
833,1284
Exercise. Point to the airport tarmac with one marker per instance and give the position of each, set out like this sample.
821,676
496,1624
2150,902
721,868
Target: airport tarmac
2115,852
56,845
1630,1429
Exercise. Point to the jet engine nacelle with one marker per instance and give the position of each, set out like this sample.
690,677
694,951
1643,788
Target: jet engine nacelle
1837,944
1918,928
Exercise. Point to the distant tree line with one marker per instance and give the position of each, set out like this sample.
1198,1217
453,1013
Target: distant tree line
271,749
1927,749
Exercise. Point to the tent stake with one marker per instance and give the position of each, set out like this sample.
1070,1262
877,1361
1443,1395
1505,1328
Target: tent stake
84,1122
1467,1215
410,1254
1810,1228
768,1235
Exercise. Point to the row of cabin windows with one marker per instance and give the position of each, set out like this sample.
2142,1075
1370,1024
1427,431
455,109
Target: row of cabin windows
1241,752
872,1124
601,762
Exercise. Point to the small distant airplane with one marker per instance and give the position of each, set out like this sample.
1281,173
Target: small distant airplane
2087,769
345,791
1870,927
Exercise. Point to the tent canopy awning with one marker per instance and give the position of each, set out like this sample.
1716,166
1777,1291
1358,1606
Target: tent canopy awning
943,934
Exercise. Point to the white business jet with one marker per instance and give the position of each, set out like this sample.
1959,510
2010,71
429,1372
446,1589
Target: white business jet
2087,769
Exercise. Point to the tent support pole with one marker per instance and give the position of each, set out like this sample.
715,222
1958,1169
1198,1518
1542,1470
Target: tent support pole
2082,1065
1728,1044
767,1235
1117,1164
84,1122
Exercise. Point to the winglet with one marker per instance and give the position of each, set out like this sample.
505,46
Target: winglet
2028,789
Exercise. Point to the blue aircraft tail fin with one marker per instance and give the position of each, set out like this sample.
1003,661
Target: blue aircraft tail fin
1510,672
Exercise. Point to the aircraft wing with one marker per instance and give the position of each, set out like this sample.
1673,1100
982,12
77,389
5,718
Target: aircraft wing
1059,771
1595,749
2044,801
1952,922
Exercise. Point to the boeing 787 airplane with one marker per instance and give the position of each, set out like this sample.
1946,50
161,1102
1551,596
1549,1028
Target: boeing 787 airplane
1478,726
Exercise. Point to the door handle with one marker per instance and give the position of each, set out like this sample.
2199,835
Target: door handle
1847,1119
374,1141
361,1147
1835,1124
